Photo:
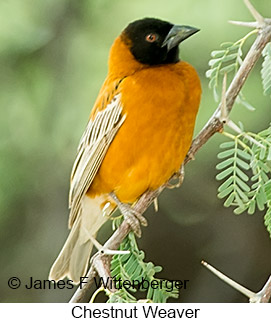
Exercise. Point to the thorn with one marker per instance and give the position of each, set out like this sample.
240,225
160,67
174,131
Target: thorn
106,251
95,242
229,281
245,24
224,112
155,204
234,127
263,296
258,17
114,252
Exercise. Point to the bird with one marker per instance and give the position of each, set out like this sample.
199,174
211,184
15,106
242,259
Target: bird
137,136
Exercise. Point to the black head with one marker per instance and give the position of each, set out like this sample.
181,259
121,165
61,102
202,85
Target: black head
154,42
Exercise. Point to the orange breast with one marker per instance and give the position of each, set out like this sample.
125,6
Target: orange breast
160,104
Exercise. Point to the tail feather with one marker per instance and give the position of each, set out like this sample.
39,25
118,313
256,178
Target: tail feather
79,260
74,257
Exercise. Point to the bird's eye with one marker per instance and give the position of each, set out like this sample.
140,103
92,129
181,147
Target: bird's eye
151,38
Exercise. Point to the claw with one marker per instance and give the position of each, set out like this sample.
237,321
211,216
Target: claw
134,218
179,176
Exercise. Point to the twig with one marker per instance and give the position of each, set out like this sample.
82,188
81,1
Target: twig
96,266
80,293
99,265
245,23
260,21
263,296
258,17
214,124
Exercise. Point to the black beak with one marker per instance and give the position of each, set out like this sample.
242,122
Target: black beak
177,34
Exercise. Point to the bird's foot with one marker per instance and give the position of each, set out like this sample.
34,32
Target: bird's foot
134,218
179,176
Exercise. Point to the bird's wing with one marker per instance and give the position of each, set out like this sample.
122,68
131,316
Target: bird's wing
99,133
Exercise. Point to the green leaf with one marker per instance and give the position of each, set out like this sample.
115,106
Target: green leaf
238,200
223,186
227,144
234,48
229,200
242,163
252,207
217,53
260,199
225,153
211,72
241,174
264,177
266,69
226,192
267,219
241,194
214,62
227,45
265,132
263,166
262,152
229,57
255,186
137,275
225,173
243,154
212,83
225,163
132,267
267,49
241,126
158,269
267,188
227,69
242,185
255,177
239,210
248,106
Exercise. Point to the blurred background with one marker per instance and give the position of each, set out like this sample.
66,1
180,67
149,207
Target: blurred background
53,61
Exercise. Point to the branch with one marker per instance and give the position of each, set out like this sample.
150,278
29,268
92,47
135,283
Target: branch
215,124
258,17
263,296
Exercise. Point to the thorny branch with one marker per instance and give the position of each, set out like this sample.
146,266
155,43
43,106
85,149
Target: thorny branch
263,296
100,262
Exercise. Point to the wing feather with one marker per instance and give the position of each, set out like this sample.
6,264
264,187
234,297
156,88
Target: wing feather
92,148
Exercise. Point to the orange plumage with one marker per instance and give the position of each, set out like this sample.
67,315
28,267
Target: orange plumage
158,105
161,104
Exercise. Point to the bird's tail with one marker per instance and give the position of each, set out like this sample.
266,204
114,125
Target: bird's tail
74,257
